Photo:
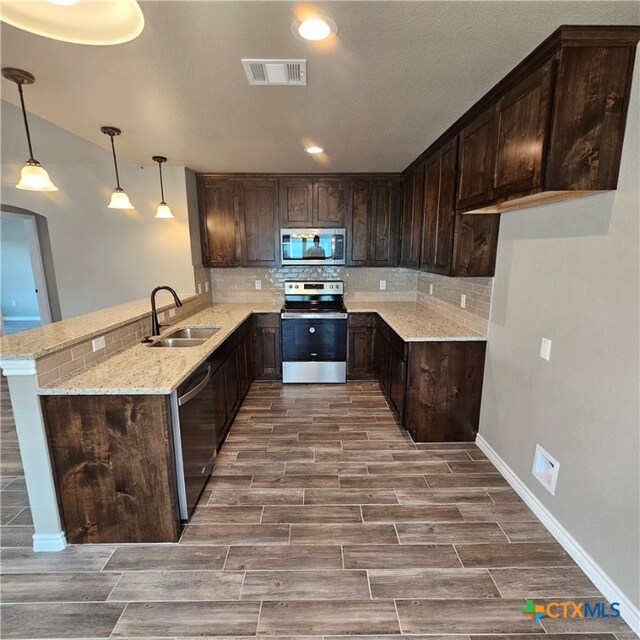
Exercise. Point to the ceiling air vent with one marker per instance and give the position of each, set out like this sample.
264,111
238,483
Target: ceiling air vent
276,72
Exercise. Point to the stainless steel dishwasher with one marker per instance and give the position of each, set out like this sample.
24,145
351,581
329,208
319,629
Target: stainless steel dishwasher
194,436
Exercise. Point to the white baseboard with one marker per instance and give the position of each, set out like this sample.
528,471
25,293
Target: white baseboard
49,541
628,610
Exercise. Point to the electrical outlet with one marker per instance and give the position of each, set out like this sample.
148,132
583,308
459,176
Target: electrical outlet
206,287
545,469
161,317
545,349
430,289
383,285
172,312
258,284
199,287
463,301
98,343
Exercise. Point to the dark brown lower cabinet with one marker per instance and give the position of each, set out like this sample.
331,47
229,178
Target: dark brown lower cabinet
390,365
360,360
113,462
267,361
444,387
381,353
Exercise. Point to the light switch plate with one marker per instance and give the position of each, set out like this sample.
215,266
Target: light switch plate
258,284
383,285
172,312
430,289
98,343
463,301
545,349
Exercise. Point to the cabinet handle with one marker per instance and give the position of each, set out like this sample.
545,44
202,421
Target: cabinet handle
314,354
312,329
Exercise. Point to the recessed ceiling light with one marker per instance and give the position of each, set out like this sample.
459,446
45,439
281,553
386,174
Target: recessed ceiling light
315,29
313,149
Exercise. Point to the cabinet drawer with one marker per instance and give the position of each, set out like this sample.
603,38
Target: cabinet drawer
362,319
267,320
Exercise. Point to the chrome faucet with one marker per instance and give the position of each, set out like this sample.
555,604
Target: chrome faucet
155,324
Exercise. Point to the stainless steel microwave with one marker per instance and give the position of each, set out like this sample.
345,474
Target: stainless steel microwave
312,246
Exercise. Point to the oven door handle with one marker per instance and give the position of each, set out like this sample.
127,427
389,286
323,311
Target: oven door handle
333,315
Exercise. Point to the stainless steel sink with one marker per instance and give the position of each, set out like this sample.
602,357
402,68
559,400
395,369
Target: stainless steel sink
194,332
178,342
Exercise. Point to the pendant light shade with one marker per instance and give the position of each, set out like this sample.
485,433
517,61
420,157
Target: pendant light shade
119,199
163,211
93,22
32,177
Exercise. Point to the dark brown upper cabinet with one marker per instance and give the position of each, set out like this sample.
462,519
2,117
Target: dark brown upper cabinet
296,202
385,223
259,228
412,218
330,203
358,223
553,128
439,210
218,201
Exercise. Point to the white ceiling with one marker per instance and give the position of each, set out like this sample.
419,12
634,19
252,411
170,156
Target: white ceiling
398,74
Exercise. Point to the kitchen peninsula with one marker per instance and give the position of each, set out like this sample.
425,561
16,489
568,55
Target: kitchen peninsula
100,456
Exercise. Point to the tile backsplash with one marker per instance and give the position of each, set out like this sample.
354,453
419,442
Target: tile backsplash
361,283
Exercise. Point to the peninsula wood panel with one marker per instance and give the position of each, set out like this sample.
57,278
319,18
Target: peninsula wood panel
114,467
219,222
444,386
259,228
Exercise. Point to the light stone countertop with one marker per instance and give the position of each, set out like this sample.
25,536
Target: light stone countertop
40,341
415,322
144,370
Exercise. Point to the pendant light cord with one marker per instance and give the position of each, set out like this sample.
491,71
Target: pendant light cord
161,185
26,123
115,162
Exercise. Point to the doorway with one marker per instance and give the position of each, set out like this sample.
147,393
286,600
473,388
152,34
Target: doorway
24,302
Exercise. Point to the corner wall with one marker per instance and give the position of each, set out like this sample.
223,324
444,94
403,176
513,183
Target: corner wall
570,272
102,257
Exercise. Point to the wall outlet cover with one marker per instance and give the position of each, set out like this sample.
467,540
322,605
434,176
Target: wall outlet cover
199,287
545,349
545,469
98,343
463,301
161,317
258,284
383,285
430,289
172,312
206,287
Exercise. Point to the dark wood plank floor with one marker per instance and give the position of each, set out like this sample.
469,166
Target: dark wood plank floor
321,518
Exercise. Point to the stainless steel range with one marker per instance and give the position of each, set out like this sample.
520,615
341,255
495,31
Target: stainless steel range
314,332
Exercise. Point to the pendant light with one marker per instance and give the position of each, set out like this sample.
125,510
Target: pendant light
32,177
119,199
164,211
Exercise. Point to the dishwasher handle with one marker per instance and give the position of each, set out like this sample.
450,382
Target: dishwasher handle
192,393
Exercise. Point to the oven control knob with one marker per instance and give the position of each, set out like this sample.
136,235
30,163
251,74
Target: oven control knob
296,286
312,329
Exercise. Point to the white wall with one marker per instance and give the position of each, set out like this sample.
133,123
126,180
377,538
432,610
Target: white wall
16,274
102,257
570,272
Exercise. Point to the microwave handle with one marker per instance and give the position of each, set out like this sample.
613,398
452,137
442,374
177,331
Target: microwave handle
333,246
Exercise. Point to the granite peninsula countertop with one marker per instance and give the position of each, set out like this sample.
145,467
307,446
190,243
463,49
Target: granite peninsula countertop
144,370
40,341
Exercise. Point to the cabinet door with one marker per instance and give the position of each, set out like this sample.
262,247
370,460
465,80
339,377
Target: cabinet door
412,219
330,201
430,224
258,205
397,378
478,142
220,415
219,222
296,202
475,245
267,359
381,354
443,255
384,223
358,227
523,117
360,360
